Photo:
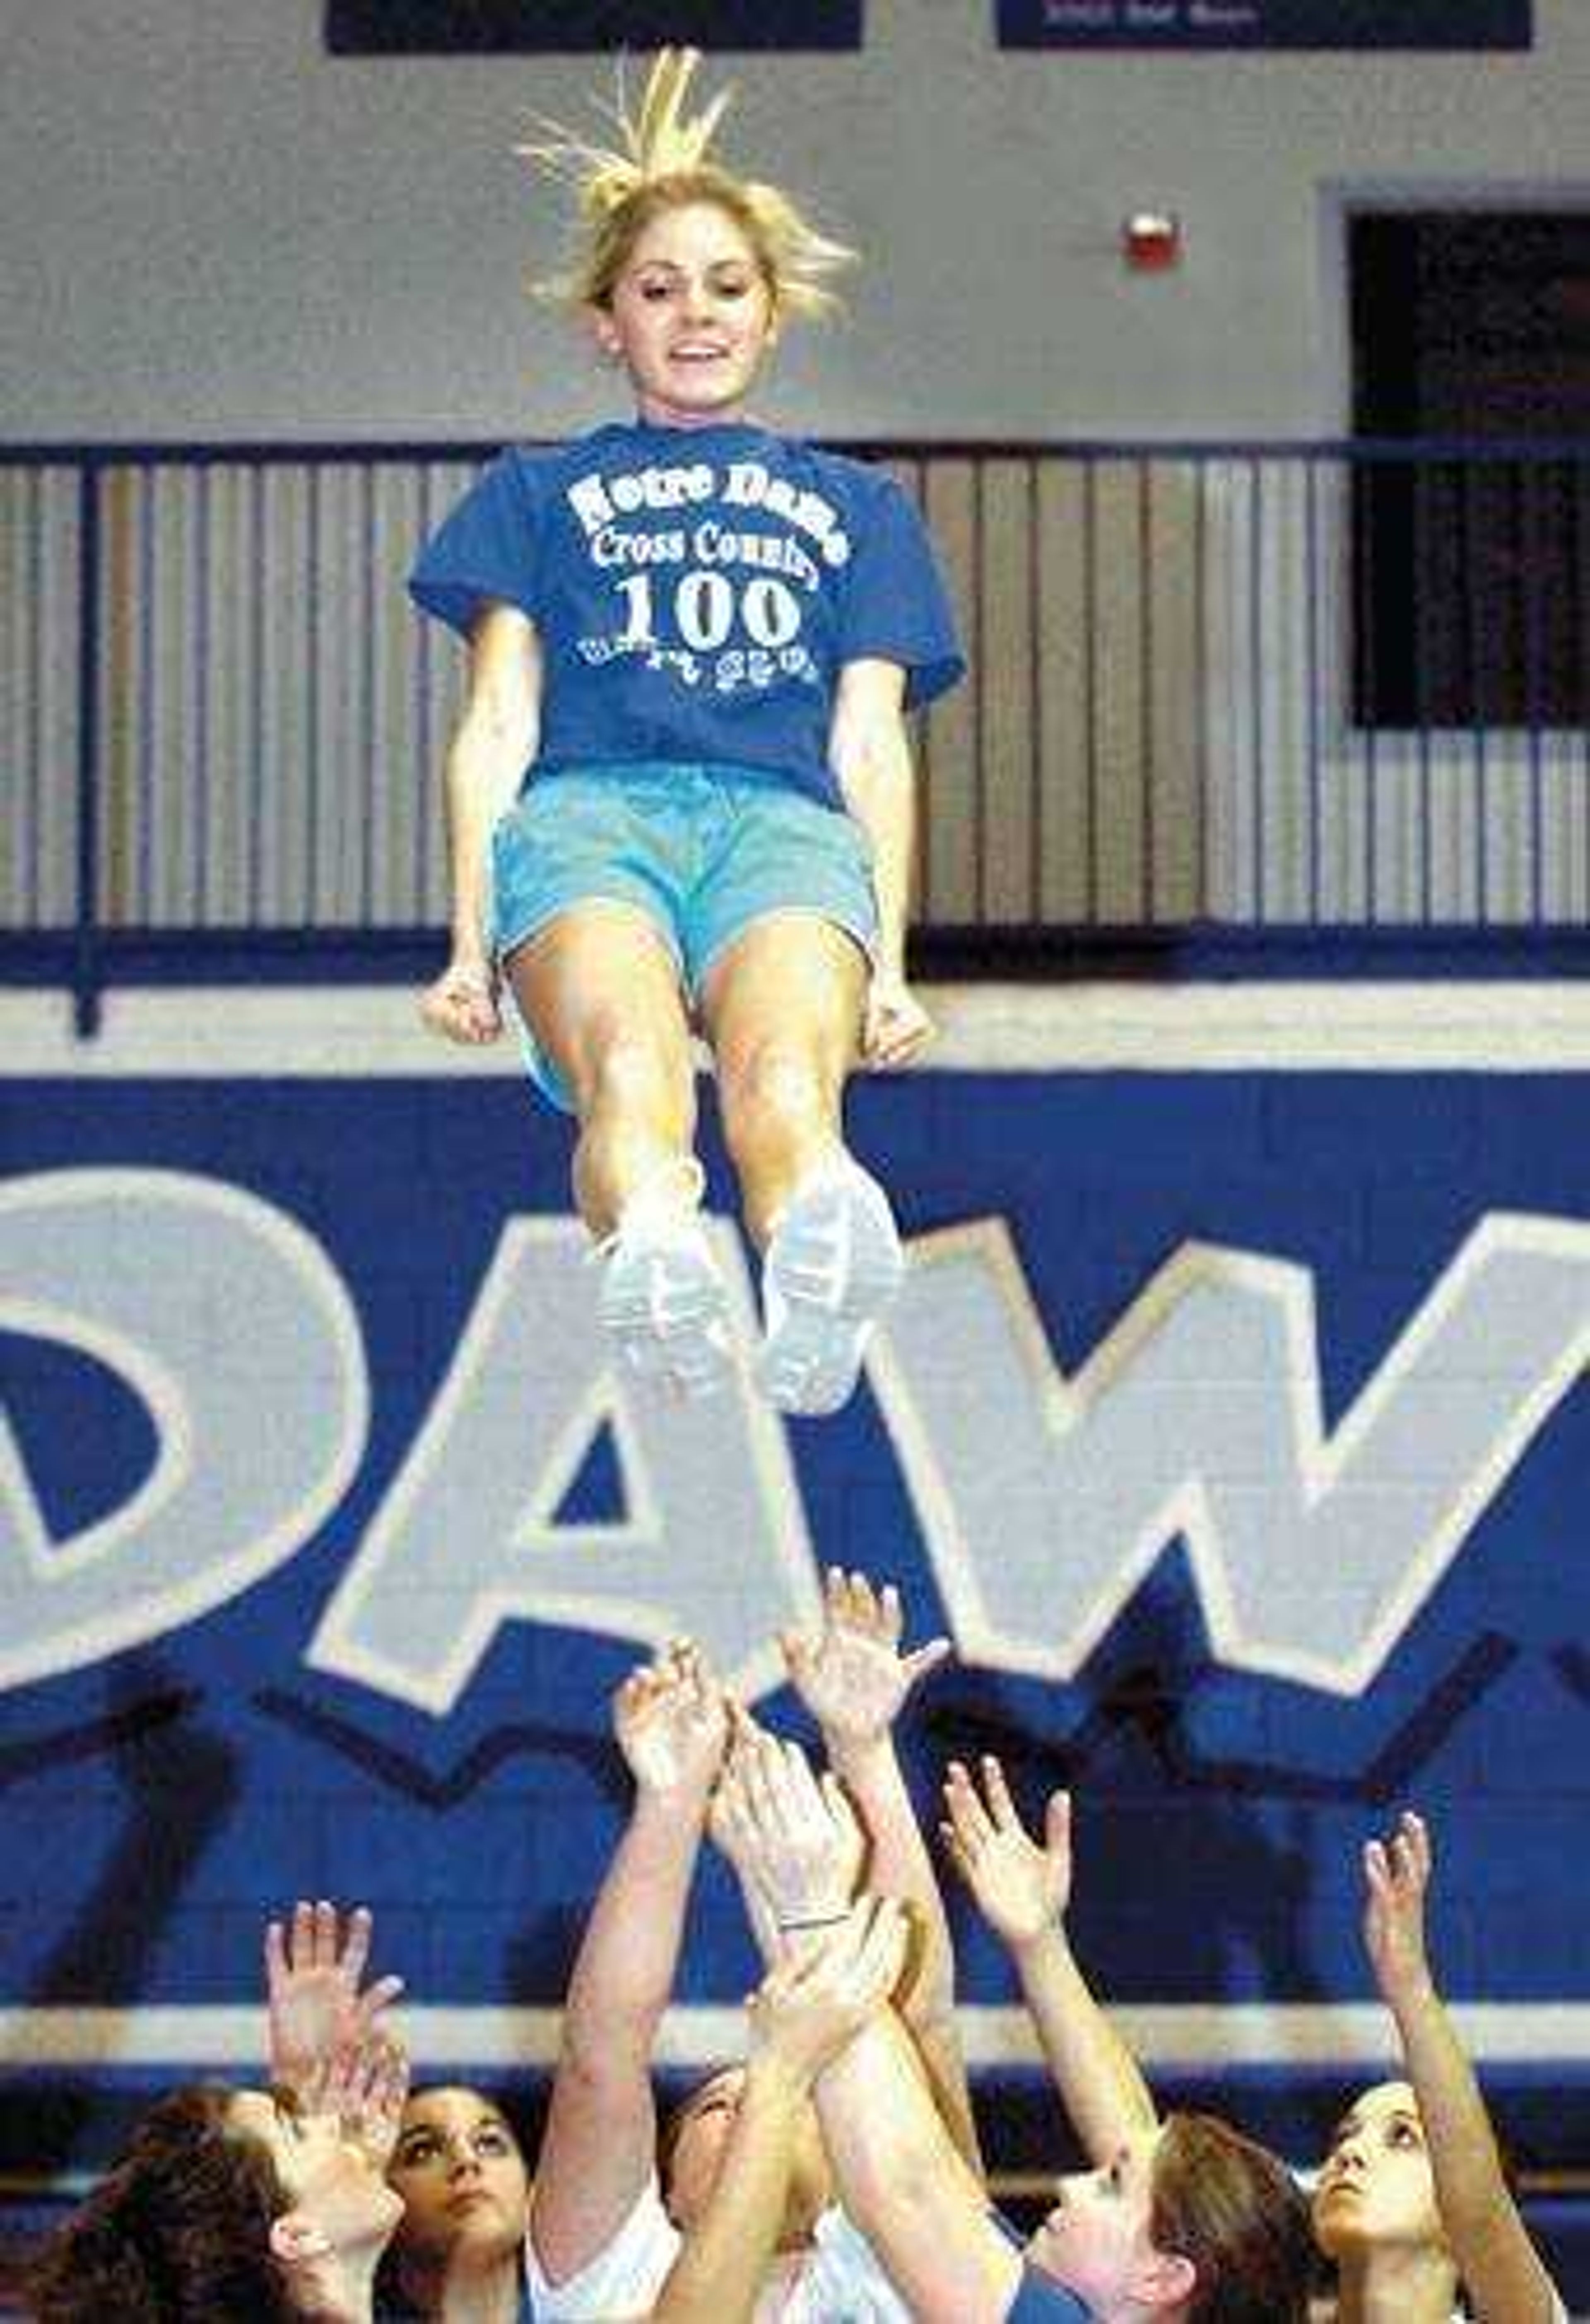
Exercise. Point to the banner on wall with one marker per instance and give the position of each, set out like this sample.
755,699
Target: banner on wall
1265,24
543,27
1233,1424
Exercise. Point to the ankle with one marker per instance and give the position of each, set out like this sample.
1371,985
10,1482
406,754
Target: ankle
669,1190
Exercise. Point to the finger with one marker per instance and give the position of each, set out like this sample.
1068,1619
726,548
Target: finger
891,1618
1376,1870
1419,1841
835,1591
799,1793
890,1041
901,1035
840,1812
959,1854
1001,1808
757,1791
275,1955
723,1826
325,1934
926,1658
1057,1824
910,1043
967,1811
301,1938
356,1945
1404,1862
381,1996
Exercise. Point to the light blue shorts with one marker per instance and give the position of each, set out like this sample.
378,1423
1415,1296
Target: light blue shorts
703,851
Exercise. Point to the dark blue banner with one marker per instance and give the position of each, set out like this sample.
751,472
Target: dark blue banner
1234,1424
542,27
1265,24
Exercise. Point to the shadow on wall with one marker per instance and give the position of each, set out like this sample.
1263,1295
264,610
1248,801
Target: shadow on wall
178,1782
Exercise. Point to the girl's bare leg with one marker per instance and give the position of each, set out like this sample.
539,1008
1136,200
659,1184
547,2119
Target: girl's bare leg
599,992
783,1012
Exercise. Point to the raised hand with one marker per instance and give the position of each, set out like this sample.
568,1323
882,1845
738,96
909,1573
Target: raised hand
365,2089
792,1839
1019,1888
315,2010
816,1998
671,1720
1396,1874
852,1677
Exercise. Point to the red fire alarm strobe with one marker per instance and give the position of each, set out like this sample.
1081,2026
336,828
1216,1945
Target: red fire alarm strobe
1150,241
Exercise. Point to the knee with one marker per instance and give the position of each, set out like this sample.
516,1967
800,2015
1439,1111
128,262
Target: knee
630,1073
775,1092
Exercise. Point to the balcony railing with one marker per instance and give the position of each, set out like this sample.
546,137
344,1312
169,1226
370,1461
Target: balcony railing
1250,702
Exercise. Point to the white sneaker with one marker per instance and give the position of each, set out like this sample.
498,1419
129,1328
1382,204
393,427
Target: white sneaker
663,1298
833,1265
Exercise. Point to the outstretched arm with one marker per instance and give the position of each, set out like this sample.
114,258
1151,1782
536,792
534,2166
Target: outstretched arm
599,2146
905,2185
1499,2265
810,2005
900,2178
855,1680
1022,1891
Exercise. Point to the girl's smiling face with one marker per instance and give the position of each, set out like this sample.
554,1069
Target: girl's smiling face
691,317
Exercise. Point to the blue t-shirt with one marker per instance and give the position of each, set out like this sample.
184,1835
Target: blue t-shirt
697,592
1039,2300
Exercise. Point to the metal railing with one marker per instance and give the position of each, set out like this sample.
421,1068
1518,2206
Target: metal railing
1250,700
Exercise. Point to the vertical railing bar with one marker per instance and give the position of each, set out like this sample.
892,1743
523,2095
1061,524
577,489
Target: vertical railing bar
980,697
1311,659
367,693
1426,491
87,975
35,501
1364,481
424,688
1148,889
200,694
1201,468
311,832
150,564
1090,678
1579,576
1035,719
923,869
255,810
1476,708
1256,677
1532,486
